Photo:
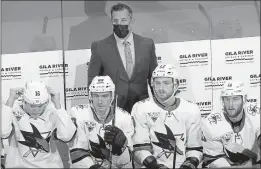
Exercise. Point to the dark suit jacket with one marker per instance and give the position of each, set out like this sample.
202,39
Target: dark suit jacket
106,60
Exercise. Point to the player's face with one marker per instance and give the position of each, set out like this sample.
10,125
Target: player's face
164,87
233,105
121,17
101,101
34,110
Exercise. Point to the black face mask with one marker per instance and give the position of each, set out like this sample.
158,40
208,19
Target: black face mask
121,30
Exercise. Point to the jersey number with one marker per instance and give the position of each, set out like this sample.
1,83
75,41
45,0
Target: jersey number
37,93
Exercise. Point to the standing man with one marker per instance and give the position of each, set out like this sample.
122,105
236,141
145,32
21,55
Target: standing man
126,57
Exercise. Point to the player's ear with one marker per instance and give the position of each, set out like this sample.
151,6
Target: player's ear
176,83
132,20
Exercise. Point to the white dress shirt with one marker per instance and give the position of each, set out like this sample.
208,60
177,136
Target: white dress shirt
120,46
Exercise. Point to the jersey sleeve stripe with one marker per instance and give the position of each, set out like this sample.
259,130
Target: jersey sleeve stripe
194,148
207,159
78,154
55,136
145,146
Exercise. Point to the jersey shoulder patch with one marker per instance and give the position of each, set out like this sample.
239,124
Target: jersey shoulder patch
215,125
214,118
18,114
81,106
79,112
253,110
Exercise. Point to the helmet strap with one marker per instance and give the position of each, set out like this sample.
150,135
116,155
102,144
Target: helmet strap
167,100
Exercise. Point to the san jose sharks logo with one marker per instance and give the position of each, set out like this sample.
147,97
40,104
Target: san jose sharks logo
214,118
253,110
35,141
100,151
153,115
167,142
90,125
18,115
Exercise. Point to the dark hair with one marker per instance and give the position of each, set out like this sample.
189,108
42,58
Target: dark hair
121,7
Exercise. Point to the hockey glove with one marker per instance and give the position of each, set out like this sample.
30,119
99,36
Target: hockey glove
96,166
162,166
238,154
115,136
2,162
189,163
151,163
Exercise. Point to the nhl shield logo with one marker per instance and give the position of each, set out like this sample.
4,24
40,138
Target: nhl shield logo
154,116
90,125
18,115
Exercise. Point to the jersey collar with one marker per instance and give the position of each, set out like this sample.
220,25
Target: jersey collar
168,108
233,125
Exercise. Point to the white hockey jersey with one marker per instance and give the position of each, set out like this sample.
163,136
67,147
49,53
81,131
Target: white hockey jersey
89,130
31,140
217,134
155,126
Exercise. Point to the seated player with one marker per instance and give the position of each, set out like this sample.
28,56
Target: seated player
104,130
231,137
167,128
2,156
32,125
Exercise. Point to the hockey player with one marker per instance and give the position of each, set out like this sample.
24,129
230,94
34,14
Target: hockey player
167,128
2,156
32,125
101,124
231,137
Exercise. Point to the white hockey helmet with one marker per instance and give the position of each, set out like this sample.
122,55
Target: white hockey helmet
102,84
165,70
232,88
35,93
